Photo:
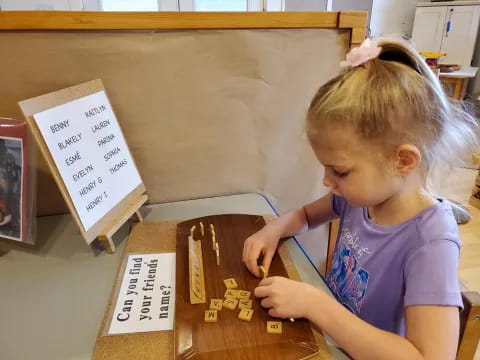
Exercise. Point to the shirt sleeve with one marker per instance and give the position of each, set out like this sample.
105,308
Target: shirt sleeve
339,205
431,275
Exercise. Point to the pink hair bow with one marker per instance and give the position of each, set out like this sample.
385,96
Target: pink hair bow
360,55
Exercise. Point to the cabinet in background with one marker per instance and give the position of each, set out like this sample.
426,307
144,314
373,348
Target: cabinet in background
449,28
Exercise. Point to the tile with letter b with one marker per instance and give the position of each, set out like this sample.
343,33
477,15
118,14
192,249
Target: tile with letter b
274,327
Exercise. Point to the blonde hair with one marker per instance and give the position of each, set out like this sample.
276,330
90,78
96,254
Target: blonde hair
392,100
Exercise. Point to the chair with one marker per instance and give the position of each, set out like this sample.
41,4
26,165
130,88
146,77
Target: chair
469,325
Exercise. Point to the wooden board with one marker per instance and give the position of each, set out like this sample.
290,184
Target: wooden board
230,337
158,237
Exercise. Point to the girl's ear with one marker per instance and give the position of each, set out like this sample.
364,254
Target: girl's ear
407,159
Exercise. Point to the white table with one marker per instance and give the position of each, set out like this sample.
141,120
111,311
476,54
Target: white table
456,82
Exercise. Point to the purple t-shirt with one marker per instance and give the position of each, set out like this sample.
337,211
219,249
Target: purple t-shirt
378,271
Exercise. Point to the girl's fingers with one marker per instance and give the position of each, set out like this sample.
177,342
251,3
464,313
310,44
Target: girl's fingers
250,259
261,291
273,313
267,281
267,259
246,246
267,302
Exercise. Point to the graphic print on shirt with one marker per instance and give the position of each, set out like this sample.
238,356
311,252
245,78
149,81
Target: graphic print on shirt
347,280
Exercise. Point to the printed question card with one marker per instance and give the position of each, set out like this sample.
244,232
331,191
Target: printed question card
146,301
90,153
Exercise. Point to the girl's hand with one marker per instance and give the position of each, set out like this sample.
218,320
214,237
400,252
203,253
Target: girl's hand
286,298
263,242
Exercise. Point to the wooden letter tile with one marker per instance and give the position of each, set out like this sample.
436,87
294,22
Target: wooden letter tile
230,303
216,304
210,315
243,294
245,304
274,327
245,314
230,293
230,283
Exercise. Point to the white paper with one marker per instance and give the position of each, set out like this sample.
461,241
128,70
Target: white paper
146,301
90,153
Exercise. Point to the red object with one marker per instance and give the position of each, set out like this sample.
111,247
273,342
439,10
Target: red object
14,175
433,62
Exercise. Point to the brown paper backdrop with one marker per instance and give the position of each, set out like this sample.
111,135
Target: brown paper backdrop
205,112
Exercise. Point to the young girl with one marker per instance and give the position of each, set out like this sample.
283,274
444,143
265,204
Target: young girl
378,129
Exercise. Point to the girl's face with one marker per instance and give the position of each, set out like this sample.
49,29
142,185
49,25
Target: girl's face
356,171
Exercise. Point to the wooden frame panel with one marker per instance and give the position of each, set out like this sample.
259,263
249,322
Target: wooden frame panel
88,20
355,20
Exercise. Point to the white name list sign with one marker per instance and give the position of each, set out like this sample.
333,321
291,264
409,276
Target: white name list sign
90,152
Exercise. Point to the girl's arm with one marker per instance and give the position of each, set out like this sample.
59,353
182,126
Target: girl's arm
291,223
432,331
319,212
306,218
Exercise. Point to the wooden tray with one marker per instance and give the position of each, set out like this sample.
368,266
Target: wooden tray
230,337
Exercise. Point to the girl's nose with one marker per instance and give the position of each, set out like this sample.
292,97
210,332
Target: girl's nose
327,181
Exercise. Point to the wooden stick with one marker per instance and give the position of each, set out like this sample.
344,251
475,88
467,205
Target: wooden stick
138,216
212,231
196,273
264,272
108,243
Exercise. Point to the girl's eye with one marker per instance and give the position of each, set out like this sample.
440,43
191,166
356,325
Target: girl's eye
340,174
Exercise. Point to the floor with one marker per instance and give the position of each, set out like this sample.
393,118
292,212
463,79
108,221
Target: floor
458,186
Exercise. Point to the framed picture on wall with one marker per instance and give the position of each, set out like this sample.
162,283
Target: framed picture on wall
14,199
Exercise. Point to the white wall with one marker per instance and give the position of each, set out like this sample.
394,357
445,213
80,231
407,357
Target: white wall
92,5
392,17
50,5
305,5
473,89
386,17
39,4
361,5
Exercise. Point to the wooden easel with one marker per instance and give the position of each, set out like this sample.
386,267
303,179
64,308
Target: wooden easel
129,206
